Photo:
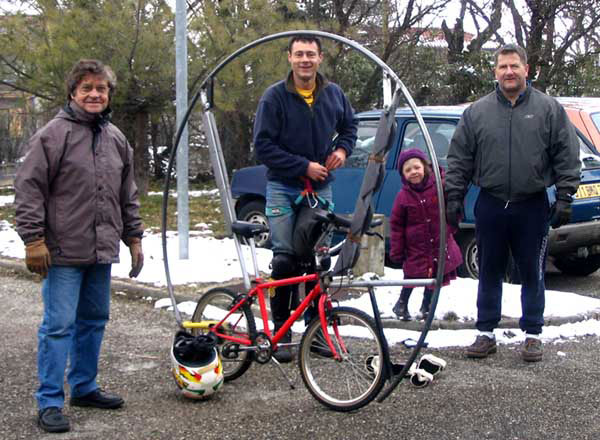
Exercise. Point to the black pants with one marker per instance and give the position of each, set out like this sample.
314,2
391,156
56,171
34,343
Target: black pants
407,291
287,298
522,229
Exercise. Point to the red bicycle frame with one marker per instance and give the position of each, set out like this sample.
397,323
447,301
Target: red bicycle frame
259,291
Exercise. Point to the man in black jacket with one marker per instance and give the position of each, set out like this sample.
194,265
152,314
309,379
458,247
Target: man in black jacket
513,143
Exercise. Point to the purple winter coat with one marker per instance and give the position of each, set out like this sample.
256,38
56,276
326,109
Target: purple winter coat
415,237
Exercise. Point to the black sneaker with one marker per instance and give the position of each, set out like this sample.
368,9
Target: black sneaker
53,420
283,355
531,351
482,347
400,309
98,399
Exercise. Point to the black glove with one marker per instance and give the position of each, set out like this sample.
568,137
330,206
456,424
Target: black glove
560,213
454,212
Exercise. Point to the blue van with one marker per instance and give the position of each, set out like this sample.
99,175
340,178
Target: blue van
574,248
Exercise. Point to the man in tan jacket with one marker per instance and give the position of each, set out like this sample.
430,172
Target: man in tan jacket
75,199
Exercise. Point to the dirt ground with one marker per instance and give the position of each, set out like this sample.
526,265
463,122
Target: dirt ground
497,398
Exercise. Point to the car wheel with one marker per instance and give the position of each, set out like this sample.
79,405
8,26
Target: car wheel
468,247
253,211
470,266
577,266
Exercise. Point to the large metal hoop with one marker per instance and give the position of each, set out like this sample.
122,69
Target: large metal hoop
206,89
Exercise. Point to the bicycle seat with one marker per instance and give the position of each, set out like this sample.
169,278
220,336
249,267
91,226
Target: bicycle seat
335,219
247,229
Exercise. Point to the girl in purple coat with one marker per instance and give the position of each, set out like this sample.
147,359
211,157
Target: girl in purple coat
414,225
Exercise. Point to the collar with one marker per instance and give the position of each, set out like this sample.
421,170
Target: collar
92,119
524,94
320,83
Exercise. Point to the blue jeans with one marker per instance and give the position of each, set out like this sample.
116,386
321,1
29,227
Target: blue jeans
280,212
522,229
281,201
76,310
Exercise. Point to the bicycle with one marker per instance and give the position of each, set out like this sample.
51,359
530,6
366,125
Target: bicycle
240,341
340,350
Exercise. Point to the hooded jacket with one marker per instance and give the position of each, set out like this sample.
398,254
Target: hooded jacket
288,133
414,227
514,152
76,190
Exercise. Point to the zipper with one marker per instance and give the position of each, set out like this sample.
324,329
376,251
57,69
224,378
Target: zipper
95,133
509,154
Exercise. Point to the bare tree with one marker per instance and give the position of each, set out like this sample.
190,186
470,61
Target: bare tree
550,30
468,65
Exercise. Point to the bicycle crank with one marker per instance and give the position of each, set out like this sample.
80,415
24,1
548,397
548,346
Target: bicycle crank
264,348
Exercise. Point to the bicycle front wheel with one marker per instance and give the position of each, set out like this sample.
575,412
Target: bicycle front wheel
354,380
214,305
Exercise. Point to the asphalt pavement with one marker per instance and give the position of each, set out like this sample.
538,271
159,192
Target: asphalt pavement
497,398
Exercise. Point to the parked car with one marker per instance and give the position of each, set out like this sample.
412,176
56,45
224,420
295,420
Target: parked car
574,248
585,115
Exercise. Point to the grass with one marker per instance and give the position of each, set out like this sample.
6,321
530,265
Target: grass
205,209
7,212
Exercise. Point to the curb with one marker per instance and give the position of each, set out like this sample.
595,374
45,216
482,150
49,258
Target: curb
132,289
138,291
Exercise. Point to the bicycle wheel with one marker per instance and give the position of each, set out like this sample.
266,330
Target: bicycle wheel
357,378
214,305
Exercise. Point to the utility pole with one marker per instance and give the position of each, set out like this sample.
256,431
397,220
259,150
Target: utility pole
181,94
387,82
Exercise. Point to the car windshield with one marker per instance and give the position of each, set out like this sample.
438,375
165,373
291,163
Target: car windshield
364,144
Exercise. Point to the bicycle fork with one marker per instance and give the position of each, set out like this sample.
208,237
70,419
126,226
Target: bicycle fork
323,318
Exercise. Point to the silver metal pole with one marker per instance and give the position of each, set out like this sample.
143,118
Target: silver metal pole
181,90
387,90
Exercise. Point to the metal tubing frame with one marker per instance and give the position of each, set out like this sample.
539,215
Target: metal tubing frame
207,95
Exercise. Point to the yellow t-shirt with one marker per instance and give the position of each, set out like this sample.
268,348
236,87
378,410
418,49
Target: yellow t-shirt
307,94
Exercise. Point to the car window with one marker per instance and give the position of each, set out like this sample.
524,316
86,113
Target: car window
588,158
596,118
440,133
364,144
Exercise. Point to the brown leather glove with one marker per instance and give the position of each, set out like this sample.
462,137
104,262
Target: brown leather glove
137,256
37,257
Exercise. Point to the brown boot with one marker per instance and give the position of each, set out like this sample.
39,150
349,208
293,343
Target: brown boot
532,351
482,347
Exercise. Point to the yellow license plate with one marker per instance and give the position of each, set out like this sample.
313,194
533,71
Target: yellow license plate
587,191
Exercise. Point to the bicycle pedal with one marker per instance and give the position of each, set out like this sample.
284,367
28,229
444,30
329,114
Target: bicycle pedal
418,377
432,364
372,364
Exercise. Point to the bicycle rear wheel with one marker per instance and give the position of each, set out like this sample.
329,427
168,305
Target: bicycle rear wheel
214,305
357,378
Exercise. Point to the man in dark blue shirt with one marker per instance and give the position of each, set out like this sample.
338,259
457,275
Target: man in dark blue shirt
296,121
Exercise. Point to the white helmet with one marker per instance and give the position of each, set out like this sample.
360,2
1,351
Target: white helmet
197,367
